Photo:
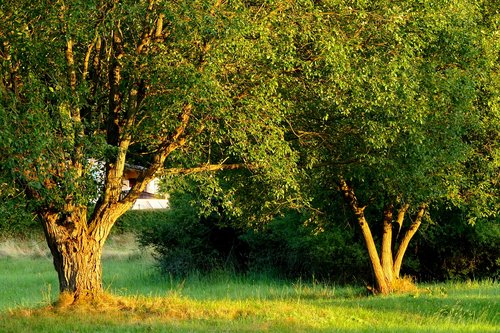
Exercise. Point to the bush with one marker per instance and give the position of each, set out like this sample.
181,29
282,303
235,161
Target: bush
136,221
17,221
454,249
186,242
289,247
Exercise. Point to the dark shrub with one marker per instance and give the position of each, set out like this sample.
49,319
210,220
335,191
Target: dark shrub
454,249
185,242
289,247
17,221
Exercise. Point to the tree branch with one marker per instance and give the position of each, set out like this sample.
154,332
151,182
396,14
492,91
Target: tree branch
406,240
204,168
401,216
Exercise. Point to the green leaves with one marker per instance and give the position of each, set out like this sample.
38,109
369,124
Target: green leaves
396,98
392,97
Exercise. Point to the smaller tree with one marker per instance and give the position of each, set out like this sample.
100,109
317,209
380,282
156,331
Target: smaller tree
392,109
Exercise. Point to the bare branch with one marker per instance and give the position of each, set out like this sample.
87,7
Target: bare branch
401,216
86,60
204,168
71,64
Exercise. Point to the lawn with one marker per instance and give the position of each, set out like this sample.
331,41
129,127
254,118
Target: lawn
144,301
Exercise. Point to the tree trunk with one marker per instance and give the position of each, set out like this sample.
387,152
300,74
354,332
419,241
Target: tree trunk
387,260
406,240
76,255
78,267
350,197
382,286
386,269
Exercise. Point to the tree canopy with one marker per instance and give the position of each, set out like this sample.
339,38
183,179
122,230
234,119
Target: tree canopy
397,108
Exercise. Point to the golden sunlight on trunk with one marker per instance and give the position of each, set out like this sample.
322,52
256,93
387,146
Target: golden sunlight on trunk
387,267
76,252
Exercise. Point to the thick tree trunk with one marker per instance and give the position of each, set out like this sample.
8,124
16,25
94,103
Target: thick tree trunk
76,255
78,266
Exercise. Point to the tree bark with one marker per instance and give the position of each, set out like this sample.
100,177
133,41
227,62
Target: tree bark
387,260
406,240
350,197
382,286
76,253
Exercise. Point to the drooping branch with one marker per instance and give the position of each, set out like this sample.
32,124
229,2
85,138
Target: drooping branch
204,168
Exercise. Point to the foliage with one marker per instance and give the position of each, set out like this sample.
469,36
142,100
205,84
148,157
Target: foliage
16,221
135,221
186,241
89,87
399,102
293,246
205,59
390,98
451,248
396,107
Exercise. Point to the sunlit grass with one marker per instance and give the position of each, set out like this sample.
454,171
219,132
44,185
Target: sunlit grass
145,301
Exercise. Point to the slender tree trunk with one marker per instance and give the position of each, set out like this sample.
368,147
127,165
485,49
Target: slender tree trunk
387,260
403,246
382,286
350,197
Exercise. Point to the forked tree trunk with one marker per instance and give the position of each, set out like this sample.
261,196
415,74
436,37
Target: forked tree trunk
387,267
350,197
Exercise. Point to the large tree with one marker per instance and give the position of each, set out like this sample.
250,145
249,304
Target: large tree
397,110
89,86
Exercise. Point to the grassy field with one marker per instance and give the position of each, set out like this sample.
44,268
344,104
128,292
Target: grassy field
144,301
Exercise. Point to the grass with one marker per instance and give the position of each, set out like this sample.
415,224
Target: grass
144,301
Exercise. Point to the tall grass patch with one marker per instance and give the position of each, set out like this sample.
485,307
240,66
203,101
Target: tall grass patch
144,301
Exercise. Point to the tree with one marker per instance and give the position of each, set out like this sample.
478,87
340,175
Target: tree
89,86
396,111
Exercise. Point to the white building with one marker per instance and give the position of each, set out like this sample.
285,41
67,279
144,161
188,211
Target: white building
150,198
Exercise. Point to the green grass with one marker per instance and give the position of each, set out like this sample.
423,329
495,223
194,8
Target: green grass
223,302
